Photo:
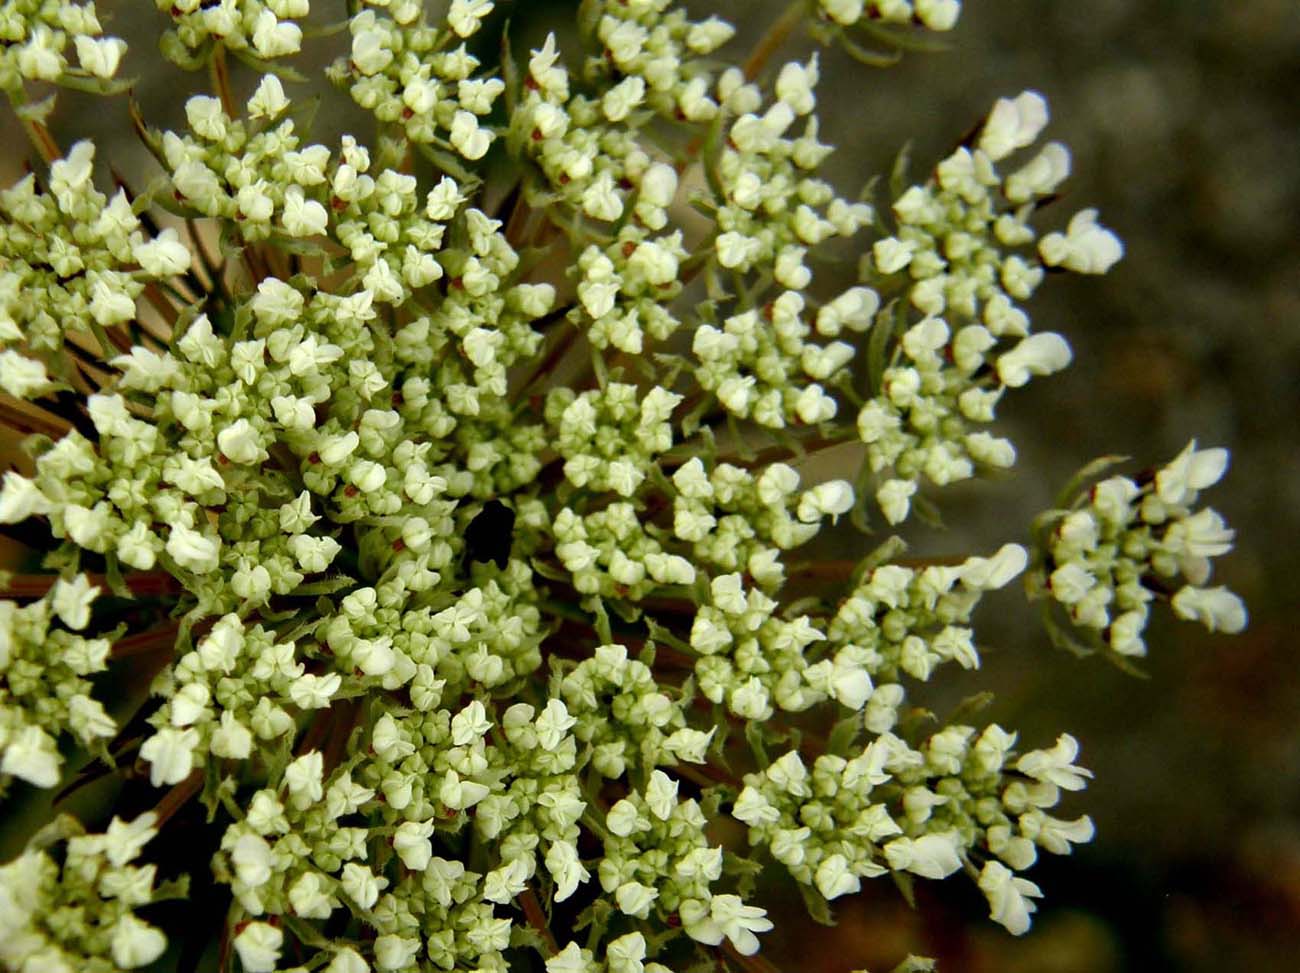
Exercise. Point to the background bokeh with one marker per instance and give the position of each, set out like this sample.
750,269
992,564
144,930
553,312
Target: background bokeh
1184,121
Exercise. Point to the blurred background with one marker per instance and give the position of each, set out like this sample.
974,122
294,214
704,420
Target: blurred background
1183,117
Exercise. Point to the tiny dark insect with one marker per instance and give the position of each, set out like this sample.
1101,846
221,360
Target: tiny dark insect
490,534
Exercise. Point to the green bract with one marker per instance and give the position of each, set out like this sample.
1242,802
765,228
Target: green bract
271,392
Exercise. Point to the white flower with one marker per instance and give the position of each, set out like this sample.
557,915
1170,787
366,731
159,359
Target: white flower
572,959
1013,124
443,200
206,117
829,499
314,554
309,897
361,884
88,528
271,38
1056,766
231,739
24,377
314,692
20,498
1190,471
192,550
846,12
895,499
100,56
460,794
753,808
303,217
38,58
170,754
739,922
465,16
737,250
393,952
30,755
347,960
88,720
1086,247
795,84
1009,897
1039,354
565,867
258,945
834,878
240,443
135,943
1071,582
635,899
268,100
72,600
930,856
891,254
470,141
619,101
938,14
1218,609
188,704
1041,176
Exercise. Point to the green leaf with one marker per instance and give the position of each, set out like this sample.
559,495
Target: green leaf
888,322
927,511
174,888
1070,493
904,39
898,172
906,886
872,59
843,735
96,86
819,910
971,706
509,72
757,743
449,164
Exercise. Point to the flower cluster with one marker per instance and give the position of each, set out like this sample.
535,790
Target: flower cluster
405,71
1121,544
74,263
924,811
451,484
45,691
939,15
253,30
948,258
36,37
68,901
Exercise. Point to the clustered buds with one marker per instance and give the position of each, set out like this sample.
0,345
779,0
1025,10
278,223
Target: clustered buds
1120,546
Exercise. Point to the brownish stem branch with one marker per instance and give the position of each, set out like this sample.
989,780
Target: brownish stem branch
537,919
221,80
771,42
176,798
144,583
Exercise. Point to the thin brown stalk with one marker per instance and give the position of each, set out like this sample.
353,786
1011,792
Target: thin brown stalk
25,418
776,35
537,919
143,583
162,638
221,80
177,797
